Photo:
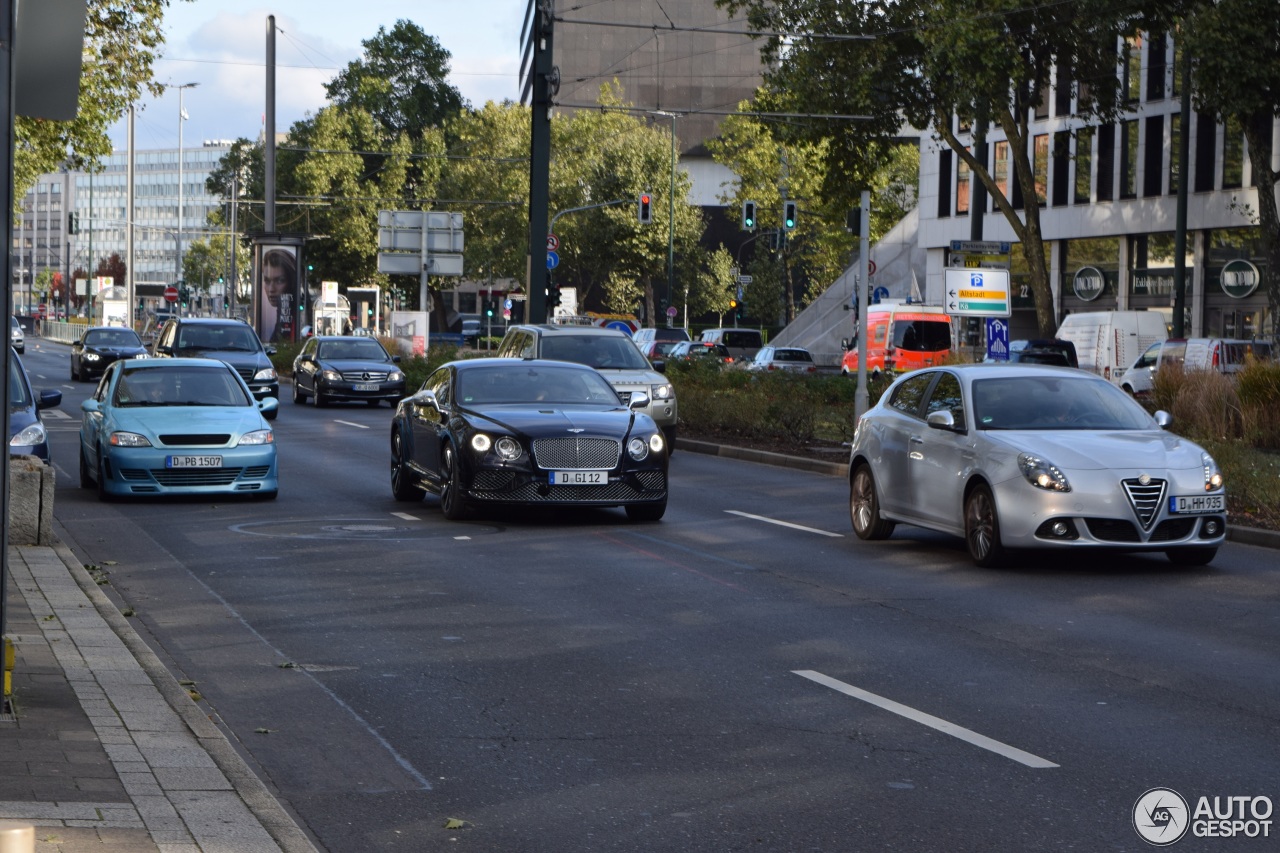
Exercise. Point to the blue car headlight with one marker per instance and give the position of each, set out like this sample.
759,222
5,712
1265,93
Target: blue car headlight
128,439
1042,474
1212,474
258,436
29,436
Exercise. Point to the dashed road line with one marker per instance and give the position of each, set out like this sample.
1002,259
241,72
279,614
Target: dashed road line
936,723
350,423
768,520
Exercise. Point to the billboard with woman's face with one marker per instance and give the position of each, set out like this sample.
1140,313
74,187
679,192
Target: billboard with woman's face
277,292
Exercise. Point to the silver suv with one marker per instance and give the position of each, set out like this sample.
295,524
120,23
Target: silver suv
610,351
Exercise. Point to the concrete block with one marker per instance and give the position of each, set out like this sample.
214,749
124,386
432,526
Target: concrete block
31,501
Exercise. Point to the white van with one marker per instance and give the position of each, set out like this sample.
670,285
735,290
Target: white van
743,344
1107,342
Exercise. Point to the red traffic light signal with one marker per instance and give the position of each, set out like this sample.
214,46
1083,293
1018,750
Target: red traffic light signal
645,211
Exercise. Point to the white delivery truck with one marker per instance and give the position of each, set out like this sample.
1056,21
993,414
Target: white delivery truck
1108,342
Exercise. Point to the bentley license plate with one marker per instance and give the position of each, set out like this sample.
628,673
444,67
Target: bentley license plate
579,478
1197,504
193,462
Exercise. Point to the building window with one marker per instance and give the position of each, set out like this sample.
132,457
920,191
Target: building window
944,184
1153,157
1129,163
1156,67
1062,90
1001,174
1040,164
1232,155
1175,150
1105,182
1133,68
1042,103
1061,167
964,177
1206,138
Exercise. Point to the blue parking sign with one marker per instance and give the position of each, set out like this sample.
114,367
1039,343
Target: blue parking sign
997,339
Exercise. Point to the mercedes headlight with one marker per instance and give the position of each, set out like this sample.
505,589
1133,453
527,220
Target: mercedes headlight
330,375
395,376
1042,474
29,436
1212,475
129,439
258,436
267,374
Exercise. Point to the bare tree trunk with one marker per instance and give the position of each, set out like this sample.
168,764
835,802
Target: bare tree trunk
1257,132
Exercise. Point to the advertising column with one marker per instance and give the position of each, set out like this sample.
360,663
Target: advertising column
277,261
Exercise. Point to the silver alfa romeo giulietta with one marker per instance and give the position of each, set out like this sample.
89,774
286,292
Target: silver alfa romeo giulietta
1024,456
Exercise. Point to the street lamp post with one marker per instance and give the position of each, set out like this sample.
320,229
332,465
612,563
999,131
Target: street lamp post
182,116
671,215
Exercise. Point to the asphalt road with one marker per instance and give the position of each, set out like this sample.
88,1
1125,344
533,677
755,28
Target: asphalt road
744,675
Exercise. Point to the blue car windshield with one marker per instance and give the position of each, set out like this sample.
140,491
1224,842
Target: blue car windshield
1055,403
180,386
533,384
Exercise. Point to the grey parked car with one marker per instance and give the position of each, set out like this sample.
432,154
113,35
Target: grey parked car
1027,456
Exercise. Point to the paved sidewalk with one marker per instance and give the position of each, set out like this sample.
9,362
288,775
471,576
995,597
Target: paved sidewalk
105,751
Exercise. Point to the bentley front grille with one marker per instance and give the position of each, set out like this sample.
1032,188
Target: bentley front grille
568,454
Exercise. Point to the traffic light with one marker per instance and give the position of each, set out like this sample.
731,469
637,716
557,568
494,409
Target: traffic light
73,223
645,210
789,215
748,216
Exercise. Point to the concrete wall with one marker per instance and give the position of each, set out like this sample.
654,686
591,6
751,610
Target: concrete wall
30,501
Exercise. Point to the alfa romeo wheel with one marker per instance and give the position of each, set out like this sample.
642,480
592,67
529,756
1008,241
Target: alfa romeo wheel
864,506
982,528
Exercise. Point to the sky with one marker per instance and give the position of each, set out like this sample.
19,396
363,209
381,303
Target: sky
221,45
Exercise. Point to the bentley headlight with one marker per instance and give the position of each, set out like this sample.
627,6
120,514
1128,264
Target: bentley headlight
508,448
29,436
258,436
637,448
662,392
656,443
129,439
1212,475
1042,474
480,442
265,375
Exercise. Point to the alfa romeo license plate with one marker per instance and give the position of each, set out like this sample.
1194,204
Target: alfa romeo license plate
1197,504
579,478
193,462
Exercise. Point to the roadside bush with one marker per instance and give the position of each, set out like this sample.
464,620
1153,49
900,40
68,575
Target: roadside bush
1258,389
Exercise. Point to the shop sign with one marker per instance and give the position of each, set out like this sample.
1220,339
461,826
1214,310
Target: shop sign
1239,278
1088,284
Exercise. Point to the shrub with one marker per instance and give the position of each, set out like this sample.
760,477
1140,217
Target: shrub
1258,389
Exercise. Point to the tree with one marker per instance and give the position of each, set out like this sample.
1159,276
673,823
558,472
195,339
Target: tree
948,64
112,266
242,170
120,45
1243,89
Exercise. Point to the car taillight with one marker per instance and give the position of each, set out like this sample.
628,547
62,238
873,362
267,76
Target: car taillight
1215,357
771,367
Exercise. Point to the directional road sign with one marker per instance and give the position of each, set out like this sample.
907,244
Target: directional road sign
997,339
553,242
977,293
553,260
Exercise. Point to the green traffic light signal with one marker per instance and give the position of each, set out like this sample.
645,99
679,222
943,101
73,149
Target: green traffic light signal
789,215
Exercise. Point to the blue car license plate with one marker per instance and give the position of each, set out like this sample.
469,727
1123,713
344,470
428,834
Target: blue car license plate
193,462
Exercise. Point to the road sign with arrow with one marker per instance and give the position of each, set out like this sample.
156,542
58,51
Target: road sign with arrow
977,292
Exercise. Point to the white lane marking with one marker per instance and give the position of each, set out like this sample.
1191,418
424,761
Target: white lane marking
786,524
932,722
54,415
462,538
350,423
406,516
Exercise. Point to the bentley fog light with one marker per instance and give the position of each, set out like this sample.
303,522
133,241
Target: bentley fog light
637,448
1212,476
1042,474
508,448
480,442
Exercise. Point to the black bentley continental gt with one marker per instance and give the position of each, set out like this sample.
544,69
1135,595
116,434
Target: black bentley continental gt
490,431
99,346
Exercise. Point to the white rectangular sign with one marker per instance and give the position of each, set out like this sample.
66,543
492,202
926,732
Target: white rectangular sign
977,293
436,220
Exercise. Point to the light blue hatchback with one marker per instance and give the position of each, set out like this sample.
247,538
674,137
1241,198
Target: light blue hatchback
176,426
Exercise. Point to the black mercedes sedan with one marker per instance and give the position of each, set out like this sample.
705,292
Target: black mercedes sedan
99,346
342,367
490,431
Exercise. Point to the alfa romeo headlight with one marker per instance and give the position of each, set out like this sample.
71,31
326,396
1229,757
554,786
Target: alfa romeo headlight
1212,475
1042,474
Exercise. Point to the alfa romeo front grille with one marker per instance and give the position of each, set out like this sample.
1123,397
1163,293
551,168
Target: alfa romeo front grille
1145,499
577,453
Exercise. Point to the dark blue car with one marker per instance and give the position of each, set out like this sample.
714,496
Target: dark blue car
27,436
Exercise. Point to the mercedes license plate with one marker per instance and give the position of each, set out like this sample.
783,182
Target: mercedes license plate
366,386
1197,504
579,478
193,462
